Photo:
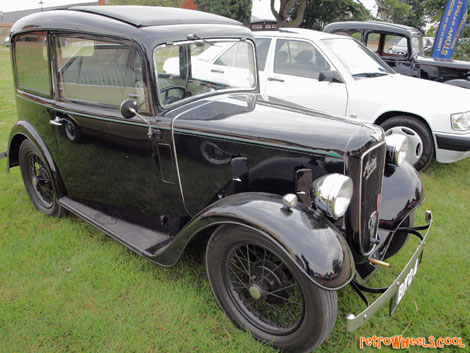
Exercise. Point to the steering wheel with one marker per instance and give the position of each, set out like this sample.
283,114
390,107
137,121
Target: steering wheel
166,92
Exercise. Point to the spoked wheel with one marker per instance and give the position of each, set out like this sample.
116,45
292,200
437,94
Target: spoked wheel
261,290
38,181
420,142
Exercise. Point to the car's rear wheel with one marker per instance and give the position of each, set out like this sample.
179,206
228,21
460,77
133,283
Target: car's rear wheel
38,181
262,291
420,141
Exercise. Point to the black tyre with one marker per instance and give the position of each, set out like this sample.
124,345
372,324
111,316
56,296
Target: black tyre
263,292
38,181
420,141
400,238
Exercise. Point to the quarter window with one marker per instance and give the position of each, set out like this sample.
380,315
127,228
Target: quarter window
298,58
99,72
32,63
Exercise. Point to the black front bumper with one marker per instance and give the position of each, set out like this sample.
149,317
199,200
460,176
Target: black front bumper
453,143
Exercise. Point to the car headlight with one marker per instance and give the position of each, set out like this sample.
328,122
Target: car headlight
460,121
397,148
332,194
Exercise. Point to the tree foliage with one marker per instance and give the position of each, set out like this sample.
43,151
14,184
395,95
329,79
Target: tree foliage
407,12
319,13
166,3
239,10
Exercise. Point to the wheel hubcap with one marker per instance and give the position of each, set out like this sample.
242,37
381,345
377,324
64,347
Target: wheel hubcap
415,143
255,292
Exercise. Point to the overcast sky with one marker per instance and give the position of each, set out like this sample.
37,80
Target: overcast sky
16,5
261,8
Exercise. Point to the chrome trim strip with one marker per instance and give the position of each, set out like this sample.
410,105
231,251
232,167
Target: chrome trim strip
354,322
176,153
360,197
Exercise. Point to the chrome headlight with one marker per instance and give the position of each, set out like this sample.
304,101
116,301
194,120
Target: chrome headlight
460,121
397,148
332,194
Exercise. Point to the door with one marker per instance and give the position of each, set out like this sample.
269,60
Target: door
392,48
106,161
293,78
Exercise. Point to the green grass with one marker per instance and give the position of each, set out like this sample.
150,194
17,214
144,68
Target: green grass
66,287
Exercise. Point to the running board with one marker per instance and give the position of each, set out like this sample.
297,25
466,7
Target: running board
144,241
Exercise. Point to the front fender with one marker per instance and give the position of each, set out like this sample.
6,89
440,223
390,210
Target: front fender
313,243
402,193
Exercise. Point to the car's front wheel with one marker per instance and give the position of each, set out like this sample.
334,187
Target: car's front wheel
262,291
38,181
420,141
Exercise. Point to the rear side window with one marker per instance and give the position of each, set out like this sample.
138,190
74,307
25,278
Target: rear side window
355,34
100,72
373,41
32,63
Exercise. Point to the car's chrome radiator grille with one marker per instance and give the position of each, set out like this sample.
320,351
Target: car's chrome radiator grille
363,217
373,163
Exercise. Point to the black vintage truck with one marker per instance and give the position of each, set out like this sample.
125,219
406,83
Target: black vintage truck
123,123
401,47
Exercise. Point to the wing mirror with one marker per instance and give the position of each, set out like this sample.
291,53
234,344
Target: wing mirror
330,76
129,109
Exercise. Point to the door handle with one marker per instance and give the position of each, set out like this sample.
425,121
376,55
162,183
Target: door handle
275,79
56,122
217,71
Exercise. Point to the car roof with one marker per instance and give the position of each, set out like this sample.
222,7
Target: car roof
371,25
148,25
294,33
144,16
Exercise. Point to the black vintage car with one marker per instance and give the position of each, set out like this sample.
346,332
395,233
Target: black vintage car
402,48
125,123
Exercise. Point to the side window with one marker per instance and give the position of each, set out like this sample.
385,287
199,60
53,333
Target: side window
100,72
298,58
236,56
262,49
395,45
188,70
32,63
373,41
355,34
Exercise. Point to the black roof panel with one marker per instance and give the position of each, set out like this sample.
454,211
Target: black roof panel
145,16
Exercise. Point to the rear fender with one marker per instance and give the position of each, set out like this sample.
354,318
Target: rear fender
313,243
25,130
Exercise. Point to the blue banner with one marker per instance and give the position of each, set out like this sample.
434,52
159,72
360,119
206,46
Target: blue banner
451,27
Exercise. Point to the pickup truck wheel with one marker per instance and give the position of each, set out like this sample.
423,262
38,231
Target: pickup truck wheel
38,181
262,291
420,142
